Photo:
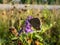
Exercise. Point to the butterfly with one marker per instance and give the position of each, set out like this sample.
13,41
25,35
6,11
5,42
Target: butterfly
35,22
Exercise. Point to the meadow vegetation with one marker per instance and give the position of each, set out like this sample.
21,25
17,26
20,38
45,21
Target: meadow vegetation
50,26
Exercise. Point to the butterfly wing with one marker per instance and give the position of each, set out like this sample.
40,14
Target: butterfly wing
35,22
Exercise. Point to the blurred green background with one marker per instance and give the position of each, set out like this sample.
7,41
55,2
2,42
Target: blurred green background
50,26
31,1
50,23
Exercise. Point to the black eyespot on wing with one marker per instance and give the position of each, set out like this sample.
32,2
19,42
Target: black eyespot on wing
35,22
